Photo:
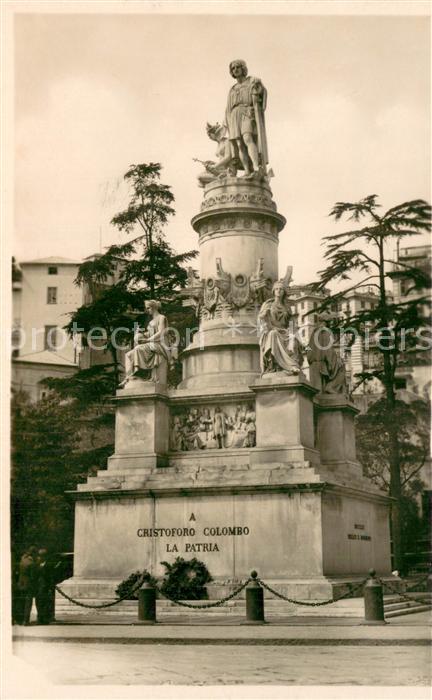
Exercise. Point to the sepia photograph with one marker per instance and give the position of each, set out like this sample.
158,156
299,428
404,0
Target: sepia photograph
216,380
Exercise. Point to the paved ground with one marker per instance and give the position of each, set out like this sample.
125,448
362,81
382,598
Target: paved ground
410,629
321,652
160,664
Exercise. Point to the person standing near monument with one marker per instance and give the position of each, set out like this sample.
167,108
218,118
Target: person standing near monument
45,588
26,584
245,120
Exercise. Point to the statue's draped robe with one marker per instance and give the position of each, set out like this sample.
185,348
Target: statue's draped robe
327,369
151,353
276,341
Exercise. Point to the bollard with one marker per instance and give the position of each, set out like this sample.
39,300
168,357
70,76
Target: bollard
373,601
254,602
147,604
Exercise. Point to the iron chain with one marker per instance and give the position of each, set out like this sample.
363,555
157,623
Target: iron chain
216,604
102,605
312,605
417,583
238,590
393,590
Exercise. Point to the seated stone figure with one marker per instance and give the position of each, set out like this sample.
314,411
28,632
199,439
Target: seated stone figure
152,355
225,164
280,350
326,366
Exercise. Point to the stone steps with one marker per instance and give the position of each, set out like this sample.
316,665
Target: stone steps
395,606
410,610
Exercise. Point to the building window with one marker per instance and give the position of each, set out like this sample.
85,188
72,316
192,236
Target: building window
52,295
363,304
405,286
400,383
52,270
50,338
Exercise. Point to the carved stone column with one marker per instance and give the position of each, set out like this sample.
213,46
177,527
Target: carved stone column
238,229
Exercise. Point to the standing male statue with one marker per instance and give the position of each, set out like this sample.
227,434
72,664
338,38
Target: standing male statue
245,120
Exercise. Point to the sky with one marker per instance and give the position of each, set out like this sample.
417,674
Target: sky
347,116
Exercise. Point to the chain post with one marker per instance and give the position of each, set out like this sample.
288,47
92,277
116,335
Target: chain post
254,602
373,600
147,604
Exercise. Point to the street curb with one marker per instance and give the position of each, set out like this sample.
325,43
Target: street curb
226,642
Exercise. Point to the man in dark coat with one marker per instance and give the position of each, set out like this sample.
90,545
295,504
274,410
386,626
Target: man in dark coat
45,588
26,584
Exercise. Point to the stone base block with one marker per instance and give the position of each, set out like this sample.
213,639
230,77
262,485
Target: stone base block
144,461
283,455
335,428
283,530
284,411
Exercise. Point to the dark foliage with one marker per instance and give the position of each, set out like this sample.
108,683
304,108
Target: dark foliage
185,579
374,452
373,433
127,585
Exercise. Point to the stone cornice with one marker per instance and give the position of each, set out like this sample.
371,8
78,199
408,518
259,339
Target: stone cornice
190,396
210,490
283,383
335,402
170,491
239,210
141,397
359,493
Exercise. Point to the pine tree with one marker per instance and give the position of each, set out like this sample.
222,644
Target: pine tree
394,325
119,281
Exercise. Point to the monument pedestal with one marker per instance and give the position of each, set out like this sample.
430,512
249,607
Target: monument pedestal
275,507
239,470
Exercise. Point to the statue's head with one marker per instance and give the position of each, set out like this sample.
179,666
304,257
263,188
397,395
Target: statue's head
215,131
152,305
279,291
238,63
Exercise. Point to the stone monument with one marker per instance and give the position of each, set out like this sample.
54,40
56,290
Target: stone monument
247,464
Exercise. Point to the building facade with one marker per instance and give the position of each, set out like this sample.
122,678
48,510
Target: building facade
415,374
44,296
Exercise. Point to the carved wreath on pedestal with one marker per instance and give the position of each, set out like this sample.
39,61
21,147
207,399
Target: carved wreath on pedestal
211,295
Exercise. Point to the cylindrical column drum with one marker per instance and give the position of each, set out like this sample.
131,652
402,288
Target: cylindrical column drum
238,229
